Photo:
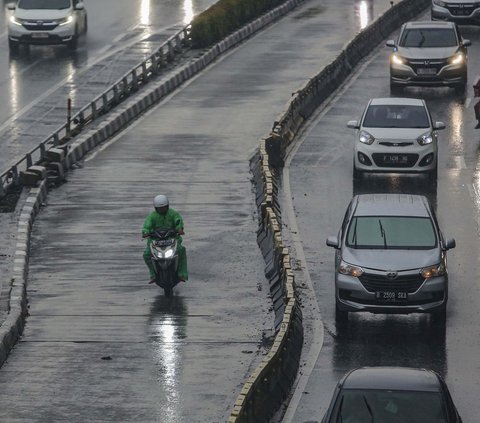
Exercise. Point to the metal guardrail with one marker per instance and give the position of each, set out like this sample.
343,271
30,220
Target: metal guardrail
121,89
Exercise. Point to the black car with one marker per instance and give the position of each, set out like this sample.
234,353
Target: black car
428,54
391,395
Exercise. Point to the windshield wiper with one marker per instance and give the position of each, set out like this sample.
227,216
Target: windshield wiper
368,408
382,232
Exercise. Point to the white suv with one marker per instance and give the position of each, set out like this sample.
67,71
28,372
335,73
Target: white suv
46,22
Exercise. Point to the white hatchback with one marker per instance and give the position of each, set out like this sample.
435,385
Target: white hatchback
396,135
46,22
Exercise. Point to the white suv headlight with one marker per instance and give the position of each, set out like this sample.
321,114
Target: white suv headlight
16,21
350,269
397,59
425,139
365,137
65,21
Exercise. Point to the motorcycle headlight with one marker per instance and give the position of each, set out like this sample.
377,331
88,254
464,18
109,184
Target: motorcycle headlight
457,59
16,21
350,269
397,59
168,253
425,139
66,20
433,271
439,3
365,138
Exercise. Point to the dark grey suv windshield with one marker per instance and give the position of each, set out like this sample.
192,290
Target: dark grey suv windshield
389,406
428,37
44,4
393,116
384,232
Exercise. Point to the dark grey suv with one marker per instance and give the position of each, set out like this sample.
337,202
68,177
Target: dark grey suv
391,394
390,257
428,54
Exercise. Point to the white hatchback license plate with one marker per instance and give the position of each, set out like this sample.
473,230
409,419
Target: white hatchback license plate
427,71
391,296
39,35
395,159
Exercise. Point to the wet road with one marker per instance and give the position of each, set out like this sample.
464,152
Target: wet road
36,83
183,360
321,169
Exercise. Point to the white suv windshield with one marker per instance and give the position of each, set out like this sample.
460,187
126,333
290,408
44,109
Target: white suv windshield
431,37
396,116
391,232
44,4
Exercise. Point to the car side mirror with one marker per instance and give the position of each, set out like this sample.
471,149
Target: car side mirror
466,43
439,125
332,241
390,43
353,124
450,244
11,6
79,6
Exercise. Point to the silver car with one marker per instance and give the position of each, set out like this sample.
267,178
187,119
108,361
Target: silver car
459,11
395,135
390,257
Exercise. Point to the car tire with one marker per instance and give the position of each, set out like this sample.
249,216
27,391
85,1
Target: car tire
440,316
73,43
460,88
357,174
396,89
433,174
341,316
13,46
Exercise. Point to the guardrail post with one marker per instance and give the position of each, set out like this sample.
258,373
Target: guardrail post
56,139
28,156
94,110
116,95
42,151
134,80
104,102
144,72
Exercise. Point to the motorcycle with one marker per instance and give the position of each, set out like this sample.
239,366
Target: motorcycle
164,253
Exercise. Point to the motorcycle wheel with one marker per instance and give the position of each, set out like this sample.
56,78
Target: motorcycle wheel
168,291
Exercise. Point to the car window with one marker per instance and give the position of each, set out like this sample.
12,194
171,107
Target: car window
396,116
44,4
384,232
428,37
379,406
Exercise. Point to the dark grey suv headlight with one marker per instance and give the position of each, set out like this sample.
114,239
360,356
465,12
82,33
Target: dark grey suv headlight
457,59
439,3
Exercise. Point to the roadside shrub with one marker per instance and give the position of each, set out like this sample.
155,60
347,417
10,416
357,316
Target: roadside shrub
225,17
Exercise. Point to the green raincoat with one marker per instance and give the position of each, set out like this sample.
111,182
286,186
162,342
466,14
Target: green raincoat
171,220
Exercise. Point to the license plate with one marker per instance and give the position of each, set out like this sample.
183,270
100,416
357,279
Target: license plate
39,35
391,296
426,71
395,158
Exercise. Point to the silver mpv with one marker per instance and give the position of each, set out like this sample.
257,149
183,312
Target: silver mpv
390,257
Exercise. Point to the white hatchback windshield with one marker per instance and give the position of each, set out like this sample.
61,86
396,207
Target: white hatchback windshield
431,37
391,232
396,116
44,4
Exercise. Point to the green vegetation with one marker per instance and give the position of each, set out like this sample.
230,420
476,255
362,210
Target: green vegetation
225,17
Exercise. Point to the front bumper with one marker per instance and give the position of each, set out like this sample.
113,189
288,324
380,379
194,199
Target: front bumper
411,159
351,295
449,75
455,14
59,35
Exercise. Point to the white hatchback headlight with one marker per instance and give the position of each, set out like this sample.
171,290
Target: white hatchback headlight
425,139
365,138
350,269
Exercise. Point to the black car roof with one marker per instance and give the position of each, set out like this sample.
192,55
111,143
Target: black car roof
392,378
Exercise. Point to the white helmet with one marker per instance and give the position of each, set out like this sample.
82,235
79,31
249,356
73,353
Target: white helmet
160,201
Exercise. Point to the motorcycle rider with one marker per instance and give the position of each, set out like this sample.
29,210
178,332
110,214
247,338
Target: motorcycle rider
164,217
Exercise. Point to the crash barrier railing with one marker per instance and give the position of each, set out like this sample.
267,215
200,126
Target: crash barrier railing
12,328
120,90
269,385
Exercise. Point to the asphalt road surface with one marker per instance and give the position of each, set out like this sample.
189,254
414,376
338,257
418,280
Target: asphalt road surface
322,185
102,345
36,83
